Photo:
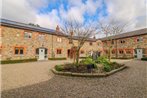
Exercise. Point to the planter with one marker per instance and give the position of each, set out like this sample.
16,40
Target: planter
88,74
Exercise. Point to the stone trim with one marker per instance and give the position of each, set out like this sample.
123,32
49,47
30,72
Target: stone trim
88,74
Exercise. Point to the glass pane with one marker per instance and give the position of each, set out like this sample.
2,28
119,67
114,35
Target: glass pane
21,51
16,51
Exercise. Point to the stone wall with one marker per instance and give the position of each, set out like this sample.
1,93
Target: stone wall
14,37
129,44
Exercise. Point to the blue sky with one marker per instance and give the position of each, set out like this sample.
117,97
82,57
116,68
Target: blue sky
50,13
102,9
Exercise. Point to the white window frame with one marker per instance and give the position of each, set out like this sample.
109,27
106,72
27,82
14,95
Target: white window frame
59,39
27,35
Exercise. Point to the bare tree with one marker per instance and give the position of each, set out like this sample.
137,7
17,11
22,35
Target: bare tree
80,32
111,29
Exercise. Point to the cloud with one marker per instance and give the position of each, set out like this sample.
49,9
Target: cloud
132,11
78,9
48,20
27,11
18,10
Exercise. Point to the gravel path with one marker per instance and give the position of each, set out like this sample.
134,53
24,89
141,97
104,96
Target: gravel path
24,74
129,83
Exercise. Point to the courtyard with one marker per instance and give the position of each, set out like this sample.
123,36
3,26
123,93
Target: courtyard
35,80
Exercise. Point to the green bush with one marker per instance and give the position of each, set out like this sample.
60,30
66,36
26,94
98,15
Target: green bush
57,58
107,65
18,61
144,59
102,60
107,68
59,67
88,61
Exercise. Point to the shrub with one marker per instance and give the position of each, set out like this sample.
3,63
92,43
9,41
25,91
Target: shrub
144,59
107,65
57,58
59,67
102,60
18,61
88,61
107,68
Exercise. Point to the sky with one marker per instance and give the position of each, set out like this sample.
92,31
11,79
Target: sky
50,13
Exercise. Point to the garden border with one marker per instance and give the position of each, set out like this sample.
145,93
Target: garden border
88,74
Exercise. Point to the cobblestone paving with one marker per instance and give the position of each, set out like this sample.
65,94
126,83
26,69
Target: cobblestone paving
128,83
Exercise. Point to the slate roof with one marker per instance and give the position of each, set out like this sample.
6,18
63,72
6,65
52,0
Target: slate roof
19,25
128,34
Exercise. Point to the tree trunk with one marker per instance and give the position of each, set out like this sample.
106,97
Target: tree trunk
77,56
109,57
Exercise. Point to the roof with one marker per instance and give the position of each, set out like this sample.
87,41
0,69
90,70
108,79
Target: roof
127,34
14,24
19,25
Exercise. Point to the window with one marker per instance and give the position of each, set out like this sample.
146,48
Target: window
139,39
90,43
70,41
19,51
122,41
59,39
121,51
106,51
41,36
128,51
113,51
112,42
27,35
59,51
82,51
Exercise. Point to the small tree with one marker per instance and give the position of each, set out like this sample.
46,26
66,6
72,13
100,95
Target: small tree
80,32
111,29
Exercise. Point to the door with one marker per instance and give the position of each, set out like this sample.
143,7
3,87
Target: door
41,54
139,53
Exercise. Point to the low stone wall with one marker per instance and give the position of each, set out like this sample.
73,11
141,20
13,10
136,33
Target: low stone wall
88,74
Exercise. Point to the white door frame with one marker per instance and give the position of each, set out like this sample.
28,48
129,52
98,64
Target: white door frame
41,53
139,53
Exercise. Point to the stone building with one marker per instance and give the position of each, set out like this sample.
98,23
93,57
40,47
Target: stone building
23,41
127,45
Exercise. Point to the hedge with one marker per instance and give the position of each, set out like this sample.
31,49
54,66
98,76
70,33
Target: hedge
122,58
144,59
18,61
57,58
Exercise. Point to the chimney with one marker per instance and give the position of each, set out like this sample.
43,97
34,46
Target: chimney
57,28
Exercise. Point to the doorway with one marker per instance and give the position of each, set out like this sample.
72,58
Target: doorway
41,54
139,53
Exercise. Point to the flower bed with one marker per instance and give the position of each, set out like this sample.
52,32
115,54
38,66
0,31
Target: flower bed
88,66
